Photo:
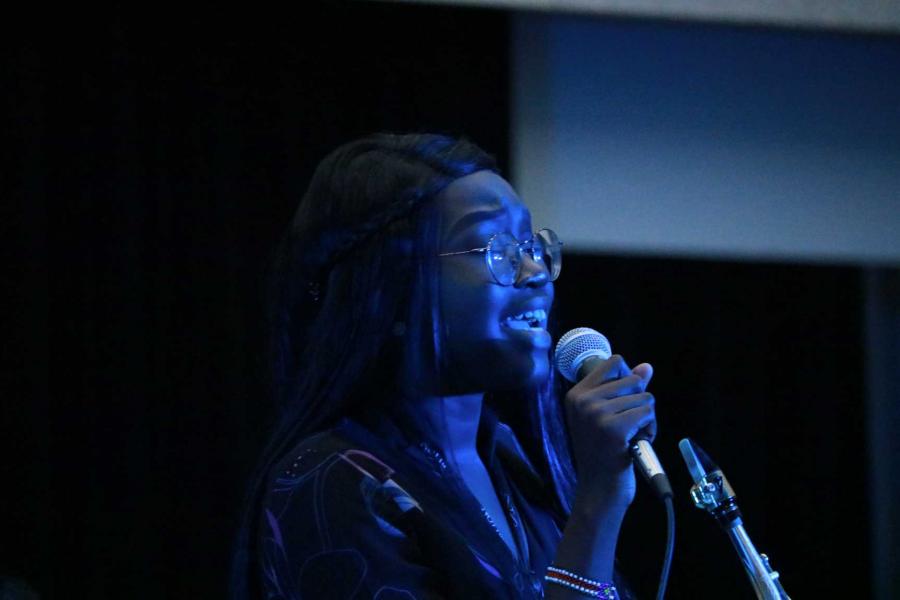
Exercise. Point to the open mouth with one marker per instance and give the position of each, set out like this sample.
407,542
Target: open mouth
532,319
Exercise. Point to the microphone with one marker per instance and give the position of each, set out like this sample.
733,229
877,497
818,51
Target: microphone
579,352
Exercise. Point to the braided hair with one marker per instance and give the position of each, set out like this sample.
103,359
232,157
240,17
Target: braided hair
347,267
356,262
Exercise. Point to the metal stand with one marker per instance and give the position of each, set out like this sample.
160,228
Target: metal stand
712,493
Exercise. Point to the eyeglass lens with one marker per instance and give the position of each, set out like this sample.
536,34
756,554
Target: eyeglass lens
505,255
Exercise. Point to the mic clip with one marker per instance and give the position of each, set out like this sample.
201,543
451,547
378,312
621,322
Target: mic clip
711,491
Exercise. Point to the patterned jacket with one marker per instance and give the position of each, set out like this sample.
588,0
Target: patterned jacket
364,511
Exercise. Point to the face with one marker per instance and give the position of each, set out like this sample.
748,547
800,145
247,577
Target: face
487,348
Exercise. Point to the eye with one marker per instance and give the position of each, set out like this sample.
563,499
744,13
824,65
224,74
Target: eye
504,249
534,247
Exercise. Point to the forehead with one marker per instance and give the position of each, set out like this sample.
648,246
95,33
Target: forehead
480,192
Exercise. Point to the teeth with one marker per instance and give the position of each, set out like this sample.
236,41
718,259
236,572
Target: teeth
524,320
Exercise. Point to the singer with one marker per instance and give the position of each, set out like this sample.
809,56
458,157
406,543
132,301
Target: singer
423,447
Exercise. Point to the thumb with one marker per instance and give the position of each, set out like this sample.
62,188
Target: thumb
645,372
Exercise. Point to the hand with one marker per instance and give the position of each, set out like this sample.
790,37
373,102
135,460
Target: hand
605,410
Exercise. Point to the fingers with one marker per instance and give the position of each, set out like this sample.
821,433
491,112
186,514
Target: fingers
647,429
630,384
612,368
633,421
645,424
615,398
630,407
633,383
621,428
645,371
623,403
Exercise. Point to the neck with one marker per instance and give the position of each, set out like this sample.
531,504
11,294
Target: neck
453,421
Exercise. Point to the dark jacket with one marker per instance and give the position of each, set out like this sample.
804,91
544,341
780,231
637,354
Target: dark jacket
370,511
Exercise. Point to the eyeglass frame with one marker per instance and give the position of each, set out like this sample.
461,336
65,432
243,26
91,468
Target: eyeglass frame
521,251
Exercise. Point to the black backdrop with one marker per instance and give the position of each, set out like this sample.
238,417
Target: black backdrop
155,161
761,364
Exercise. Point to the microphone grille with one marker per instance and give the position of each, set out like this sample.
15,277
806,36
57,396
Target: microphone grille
577,345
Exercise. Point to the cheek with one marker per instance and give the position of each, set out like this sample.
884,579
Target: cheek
479,353
472,313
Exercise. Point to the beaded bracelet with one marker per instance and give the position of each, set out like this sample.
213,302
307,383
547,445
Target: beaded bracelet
589,587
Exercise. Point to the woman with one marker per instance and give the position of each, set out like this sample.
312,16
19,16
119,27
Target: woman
421,450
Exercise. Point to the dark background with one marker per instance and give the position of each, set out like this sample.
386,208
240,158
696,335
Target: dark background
155,160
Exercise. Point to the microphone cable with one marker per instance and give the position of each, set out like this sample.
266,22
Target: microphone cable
670,548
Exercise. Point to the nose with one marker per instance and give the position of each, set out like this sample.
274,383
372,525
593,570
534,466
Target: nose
531,272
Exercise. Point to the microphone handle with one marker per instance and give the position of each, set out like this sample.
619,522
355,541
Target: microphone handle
648,464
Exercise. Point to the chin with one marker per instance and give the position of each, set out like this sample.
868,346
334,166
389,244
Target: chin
498,365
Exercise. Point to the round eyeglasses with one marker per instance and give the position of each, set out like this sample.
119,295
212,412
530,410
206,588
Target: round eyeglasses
503,254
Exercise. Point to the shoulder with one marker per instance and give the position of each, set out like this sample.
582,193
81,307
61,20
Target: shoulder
330,520
326,471
334,489
312,456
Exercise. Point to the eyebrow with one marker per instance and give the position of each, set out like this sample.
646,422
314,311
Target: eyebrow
471,218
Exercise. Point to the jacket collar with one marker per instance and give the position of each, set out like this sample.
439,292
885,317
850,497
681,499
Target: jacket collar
400,431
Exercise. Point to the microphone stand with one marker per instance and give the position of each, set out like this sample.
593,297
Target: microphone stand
712,493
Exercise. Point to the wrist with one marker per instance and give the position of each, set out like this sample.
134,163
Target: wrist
596,522
584,585
588,545
593,501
